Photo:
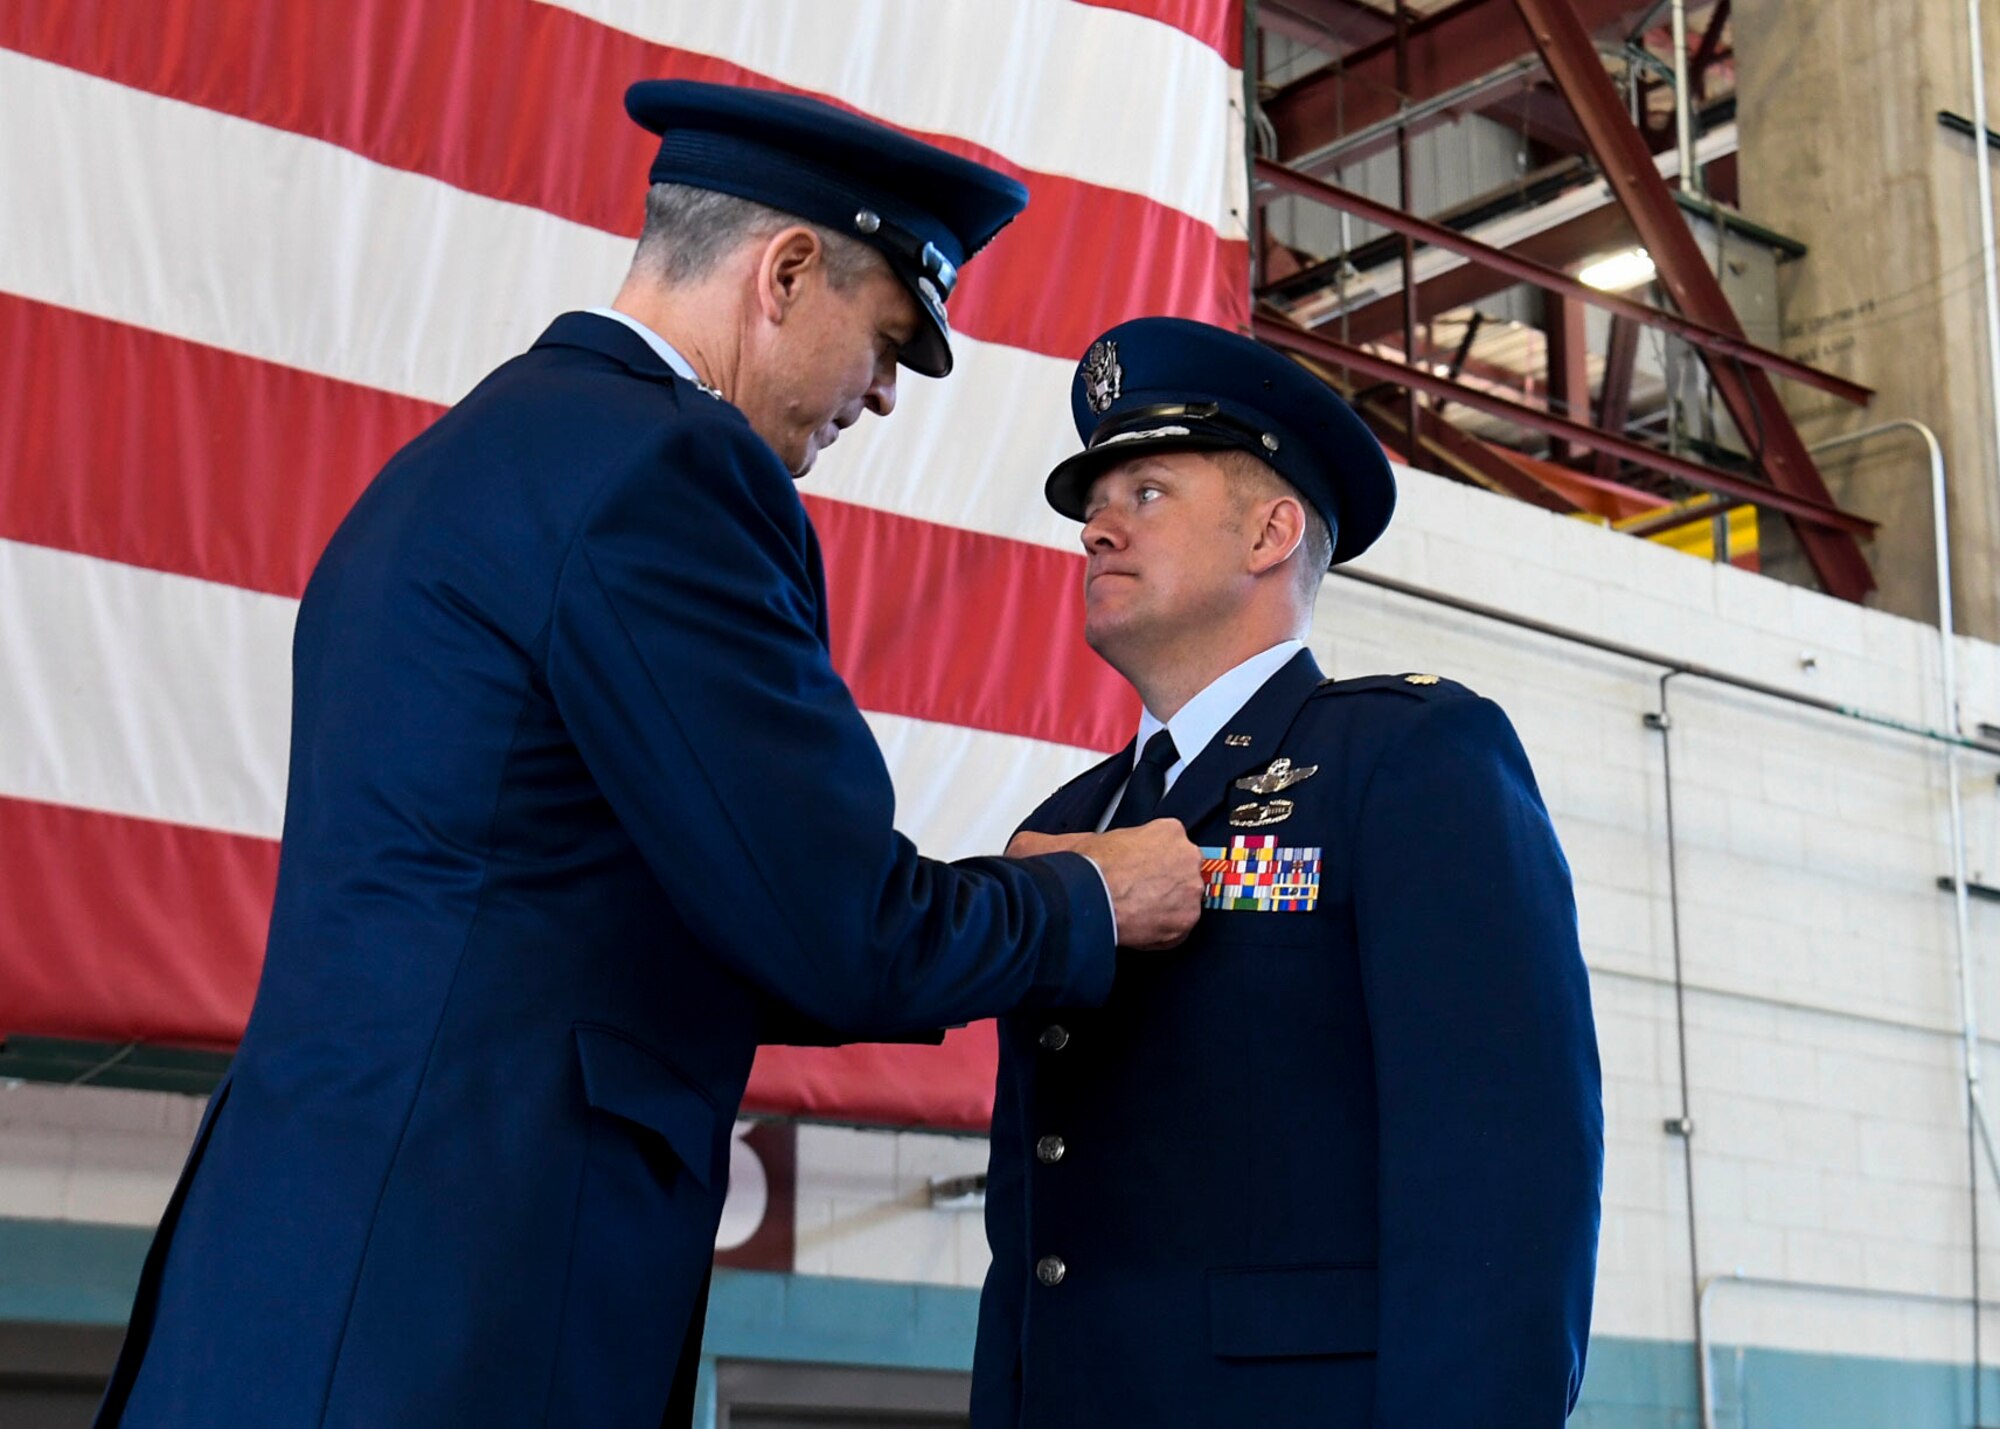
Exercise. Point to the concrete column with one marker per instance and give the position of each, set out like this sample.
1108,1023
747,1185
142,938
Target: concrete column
1842,149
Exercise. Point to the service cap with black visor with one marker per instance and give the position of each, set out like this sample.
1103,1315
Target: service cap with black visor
1162,384
925,210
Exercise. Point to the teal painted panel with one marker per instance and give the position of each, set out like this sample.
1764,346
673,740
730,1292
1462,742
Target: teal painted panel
1638,1384
72,1273
68,1272
755,1314
1779,1389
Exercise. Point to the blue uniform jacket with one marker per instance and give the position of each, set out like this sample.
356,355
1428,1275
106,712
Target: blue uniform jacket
578,813
1337,1167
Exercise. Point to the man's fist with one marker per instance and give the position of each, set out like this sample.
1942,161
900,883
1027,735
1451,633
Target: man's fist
1153,872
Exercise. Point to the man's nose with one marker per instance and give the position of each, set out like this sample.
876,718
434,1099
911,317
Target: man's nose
1101,532
881,398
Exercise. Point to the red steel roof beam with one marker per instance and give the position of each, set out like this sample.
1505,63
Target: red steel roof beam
1614,398
1447,49
1725,338
1593,232
1810,513
1461,451
1564,42
1316,24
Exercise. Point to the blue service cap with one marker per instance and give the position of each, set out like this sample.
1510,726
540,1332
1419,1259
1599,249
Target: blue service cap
1170,384
927,211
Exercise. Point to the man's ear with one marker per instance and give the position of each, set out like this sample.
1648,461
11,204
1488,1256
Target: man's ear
788,256
1280,524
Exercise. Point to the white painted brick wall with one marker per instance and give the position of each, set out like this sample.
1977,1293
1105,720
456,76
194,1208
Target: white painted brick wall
1822,999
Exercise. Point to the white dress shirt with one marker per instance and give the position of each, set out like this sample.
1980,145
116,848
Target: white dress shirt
1201,718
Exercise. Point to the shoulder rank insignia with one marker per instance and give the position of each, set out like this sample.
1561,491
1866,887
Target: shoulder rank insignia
1257,816
1254,875
1420,679
1279,777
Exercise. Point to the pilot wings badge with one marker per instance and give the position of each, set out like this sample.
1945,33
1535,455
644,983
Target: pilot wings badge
1279,777
1103,378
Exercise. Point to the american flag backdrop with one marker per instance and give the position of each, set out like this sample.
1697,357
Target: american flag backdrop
250,247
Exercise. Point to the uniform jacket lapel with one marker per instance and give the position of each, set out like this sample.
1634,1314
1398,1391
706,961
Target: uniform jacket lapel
1264,720
1079,804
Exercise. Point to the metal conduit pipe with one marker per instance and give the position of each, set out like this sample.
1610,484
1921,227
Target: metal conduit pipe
1982,163
1683,1125
1812,1287
1978,1130
1683,103
1658,661
1948,694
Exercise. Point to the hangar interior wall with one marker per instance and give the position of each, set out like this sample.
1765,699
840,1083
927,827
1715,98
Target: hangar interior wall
1819,984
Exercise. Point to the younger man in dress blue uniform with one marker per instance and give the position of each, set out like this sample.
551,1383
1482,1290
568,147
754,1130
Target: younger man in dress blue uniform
1337,1162
579,813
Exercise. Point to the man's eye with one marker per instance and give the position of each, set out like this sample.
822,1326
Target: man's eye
1146,493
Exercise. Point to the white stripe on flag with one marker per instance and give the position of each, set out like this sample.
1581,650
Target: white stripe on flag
133,692
296,251
1057,87
961,792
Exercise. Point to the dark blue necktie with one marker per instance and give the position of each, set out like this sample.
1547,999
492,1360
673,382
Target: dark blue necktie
1148,784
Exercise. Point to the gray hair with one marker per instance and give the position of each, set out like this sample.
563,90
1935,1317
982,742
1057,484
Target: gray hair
689,231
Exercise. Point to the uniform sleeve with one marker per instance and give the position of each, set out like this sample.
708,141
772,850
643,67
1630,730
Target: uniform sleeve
1486,1070
685,657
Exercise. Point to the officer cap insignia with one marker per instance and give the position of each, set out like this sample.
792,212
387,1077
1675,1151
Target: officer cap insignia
1236,741
1257,816
1279,777
926,211
1103,378
1420,679
1173,384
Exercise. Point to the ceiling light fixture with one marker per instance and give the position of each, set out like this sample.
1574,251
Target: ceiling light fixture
1619,272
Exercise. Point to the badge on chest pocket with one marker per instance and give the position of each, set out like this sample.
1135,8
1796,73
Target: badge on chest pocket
1254,875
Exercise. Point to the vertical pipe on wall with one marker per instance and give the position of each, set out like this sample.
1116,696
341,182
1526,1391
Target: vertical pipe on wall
1406,200
1976,1130
1684,103
1982,162
1683,1126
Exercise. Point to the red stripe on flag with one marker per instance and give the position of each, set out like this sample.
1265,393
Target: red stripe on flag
1001,633
153,451
126,930
122,929
136,447
948,1087
1216,23
524,102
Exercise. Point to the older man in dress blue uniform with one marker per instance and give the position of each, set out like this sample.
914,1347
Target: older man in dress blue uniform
579,813
1338,1162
